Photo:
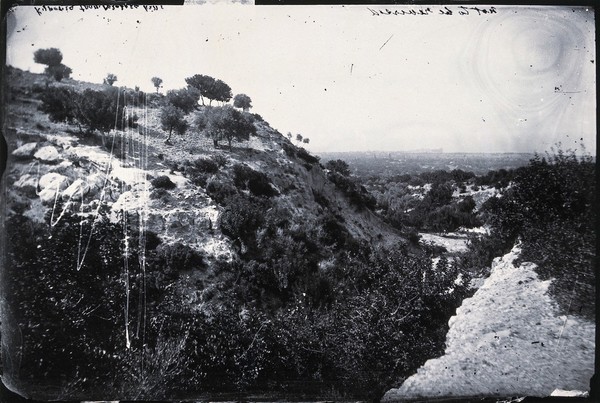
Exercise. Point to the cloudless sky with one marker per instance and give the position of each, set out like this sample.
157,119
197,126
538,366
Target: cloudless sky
519,80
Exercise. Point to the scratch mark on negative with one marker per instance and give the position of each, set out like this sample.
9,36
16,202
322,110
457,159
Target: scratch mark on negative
385,43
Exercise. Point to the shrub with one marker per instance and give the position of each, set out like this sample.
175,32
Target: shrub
154,100
206,165
173,259
320,198
439,195
96,110
220,160
335,233
257,182
241,218
220,192
58,103
161,194
304,155
100,110
289,149
163,182
339,166
356,193
414,237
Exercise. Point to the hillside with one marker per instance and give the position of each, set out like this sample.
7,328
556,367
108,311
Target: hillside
79,159
206,269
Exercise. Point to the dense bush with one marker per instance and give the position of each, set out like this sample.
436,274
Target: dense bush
220,160
163,182
356,193
63,298
205,165
307,157
339,166
95,110
171,260
289,149
497,178
257,182
58,103
220,192
154,100
104,110
277,319
241,218
439,177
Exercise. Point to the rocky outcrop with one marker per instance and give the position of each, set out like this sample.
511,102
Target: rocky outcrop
188,223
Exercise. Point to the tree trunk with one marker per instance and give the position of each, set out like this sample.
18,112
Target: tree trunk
230,149
216,143
168,140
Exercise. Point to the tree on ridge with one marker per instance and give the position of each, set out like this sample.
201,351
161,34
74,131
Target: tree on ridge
242,101
157,82
52,58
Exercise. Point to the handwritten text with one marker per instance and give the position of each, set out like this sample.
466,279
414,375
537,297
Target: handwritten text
447,10
105,7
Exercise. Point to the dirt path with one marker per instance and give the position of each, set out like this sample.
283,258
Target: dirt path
507,340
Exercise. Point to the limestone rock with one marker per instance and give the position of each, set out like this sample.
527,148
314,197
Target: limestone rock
28,185
76,190
25,151
47,154
25,181
51,183
95,183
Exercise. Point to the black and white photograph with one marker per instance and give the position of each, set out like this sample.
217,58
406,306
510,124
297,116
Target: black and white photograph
241,202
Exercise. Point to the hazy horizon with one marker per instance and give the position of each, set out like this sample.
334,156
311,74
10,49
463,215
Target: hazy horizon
521,79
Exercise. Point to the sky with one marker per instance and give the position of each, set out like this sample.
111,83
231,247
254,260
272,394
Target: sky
521,79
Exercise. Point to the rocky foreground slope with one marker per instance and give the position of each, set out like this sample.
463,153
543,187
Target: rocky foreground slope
507,340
